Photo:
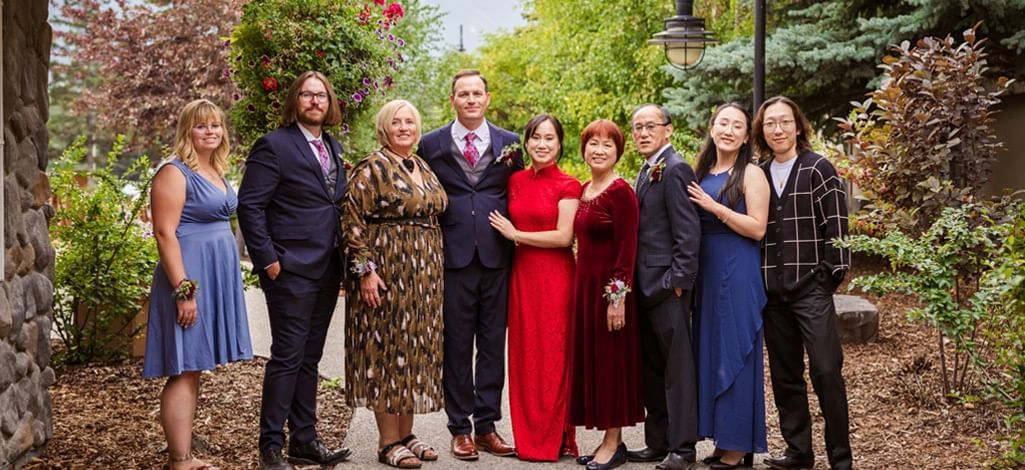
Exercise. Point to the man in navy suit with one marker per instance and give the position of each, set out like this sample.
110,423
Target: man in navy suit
667,265
289,215
473,159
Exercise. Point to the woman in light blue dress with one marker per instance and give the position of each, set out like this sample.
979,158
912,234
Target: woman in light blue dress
733,196
197,312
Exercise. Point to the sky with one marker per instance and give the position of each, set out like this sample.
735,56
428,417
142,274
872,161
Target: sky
477,17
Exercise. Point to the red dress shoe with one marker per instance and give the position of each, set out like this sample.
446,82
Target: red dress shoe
463,448
494,444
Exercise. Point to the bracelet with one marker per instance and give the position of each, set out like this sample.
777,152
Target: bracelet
728,212
186,289
363,266
615,291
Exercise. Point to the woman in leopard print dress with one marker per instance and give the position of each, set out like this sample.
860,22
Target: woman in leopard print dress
394,329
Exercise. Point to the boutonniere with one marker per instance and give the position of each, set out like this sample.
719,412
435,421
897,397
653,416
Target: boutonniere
655,175
507,155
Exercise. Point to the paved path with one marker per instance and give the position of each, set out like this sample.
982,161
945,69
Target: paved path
431,428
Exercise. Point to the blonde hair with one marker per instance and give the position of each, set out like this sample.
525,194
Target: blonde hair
387,113
196,112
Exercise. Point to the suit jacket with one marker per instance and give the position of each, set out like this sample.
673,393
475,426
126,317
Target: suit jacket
285,210
798,249
669,235
465,223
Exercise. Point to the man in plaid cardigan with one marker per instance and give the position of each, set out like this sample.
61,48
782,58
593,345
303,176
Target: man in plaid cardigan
802,267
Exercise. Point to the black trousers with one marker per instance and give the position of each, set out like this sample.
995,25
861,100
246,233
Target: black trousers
670,391
300,312
791,328
476,304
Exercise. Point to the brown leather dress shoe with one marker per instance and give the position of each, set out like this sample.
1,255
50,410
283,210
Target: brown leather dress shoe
463,448
494,444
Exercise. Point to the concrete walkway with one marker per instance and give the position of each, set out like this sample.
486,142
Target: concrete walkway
431,428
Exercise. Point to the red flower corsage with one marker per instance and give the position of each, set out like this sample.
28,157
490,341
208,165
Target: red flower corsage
615,291
656,172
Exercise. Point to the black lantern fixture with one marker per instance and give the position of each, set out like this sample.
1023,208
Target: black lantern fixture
685,37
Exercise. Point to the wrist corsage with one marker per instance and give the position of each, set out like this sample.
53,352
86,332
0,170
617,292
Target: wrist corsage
186,290
615,291
656,172
363,266
508,153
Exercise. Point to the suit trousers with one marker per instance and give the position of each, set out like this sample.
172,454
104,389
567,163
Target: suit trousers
300,312
670,393
791,328
475,313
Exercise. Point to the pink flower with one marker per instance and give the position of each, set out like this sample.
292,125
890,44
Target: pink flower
270,84
394,11
379,2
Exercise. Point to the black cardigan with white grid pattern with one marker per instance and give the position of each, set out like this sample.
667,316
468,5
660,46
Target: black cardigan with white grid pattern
798,248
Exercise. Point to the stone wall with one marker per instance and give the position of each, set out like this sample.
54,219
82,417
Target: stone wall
26,289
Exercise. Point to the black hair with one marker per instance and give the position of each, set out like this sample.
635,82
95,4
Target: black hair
732,191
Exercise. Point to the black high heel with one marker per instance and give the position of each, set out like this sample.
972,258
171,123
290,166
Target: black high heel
718,464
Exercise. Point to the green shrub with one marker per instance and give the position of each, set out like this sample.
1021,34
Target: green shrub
105,255
352,43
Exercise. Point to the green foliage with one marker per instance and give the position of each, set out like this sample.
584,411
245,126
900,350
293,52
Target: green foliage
941,269
824,54
351,43
1006,334
105,256
923,141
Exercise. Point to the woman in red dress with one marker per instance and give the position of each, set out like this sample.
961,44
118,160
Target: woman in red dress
542,203
607,389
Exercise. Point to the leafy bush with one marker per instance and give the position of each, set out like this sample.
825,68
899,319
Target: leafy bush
923,141
941,268
105,256
352,43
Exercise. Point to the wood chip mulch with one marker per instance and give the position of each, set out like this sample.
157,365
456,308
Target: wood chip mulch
107,417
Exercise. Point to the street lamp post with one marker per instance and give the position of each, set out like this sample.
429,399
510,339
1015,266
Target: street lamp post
685,37
759,78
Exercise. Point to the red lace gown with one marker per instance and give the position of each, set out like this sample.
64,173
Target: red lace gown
540,301
607,387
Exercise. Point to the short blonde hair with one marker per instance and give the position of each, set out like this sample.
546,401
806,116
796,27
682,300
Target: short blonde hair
387,113
197,112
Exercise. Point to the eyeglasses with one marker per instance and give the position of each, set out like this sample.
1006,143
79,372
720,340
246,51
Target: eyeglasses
308,96
639,128
786,125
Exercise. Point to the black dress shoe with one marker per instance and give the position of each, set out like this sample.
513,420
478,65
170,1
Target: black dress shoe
316,453
676,461
788,462
585,459
646,454
271,459
618,458
718,464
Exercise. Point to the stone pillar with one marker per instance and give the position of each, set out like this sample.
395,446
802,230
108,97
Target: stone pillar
26,288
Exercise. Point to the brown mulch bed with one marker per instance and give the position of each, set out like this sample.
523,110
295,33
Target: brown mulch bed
107,417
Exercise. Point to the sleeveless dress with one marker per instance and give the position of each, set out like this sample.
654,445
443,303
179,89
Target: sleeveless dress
540,303
728,323
221,332
607,388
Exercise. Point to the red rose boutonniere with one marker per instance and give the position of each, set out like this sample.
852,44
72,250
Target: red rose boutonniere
508,153
655,175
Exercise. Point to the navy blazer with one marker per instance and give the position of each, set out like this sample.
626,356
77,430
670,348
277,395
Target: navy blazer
284,208
669,235
465,223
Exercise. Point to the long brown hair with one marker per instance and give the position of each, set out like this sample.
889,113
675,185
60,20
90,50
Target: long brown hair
802,123
290,114
197,112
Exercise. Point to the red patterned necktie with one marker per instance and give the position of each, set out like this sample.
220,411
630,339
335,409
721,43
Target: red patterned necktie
470,152
325,164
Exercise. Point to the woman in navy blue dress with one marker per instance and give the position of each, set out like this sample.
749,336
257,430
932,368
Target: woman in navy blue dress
733,195
197,312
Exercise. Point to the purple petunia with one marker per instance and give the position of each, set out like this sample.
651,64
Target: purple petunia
366,81
401,42
357,97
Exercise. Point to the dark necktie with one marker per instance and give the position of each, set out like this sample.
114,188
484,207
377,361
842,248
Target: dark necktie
642,176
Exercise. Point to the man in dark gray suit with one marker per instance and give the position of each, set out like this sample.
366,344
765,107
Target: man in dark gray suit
667,265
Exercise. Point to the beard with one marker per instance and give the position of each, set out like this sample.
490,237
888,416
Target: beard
304,118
